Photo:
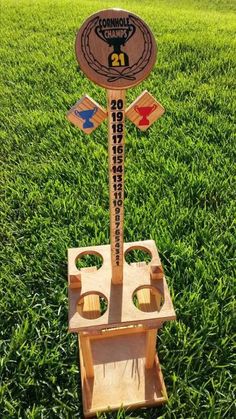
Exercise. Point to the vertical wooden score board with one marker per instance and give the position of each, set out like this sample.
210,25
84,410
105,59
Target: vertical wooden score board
116,132
116,50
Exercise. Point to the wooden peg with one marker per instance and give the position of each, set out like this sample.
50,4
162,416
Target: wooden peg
91,306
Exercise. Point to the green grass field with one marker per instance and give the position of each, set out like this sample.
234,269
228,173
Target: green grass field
180,191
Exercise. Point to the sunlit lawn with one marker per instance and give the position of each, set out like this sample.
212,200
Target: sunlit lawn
180,191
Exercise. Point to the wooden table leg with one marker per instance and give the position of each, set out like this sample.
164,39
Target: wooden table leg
151,347
85,345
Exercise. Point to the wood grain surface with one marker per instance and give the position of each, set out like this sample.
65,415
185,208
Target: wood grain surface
115,49
87,114
144,111
116,144
121,310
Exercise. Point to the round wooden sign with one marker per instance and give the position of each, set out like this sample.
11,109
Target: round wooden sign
115,49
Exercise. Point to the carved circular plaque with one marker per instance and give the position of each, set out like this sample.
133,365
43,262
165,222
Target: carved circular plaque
115,49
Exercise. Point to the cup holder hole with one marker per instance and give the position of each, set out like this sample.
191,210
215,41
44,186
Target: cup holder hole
92,305
89,260
148,299
137,255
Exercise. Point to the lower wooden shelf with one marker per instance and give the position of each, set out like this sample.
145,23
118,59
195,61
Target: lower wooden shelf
120,376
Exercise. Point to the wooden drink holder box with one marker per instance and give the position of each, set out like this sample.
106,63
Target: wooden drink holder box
117,309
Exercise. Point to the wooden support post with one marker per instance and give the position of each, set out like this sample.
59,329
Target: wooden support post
85,344
151,347
116,127
145,299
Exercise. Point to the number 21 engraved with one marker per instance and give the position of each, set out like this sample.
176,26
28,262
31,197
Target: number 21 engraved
118,60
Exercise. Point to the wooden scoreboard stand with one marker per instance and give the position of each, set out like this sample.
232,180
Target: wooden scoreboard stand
117,309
